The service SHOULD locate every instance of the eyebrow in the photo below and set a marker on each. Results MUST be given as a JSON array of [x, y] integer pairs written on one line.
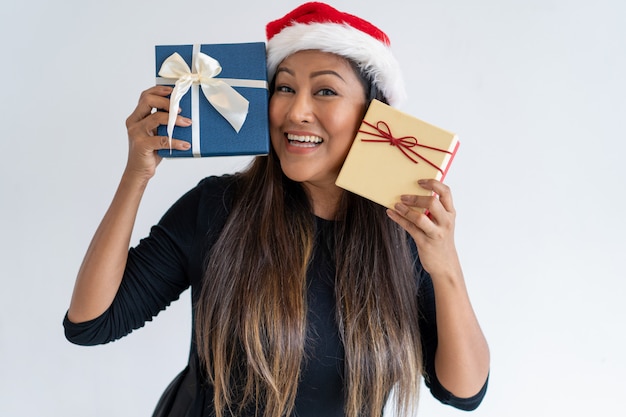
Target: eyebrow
[[313, 74], [326, 72]]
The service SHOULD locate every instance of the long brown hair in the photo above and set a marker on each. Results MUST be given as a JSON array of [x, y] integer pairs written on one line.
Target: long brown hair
[[251, 314]]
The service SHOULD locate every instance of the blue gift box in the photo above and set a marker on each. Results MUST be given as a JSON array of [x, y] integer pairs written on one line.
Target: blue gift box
[[211, 134]]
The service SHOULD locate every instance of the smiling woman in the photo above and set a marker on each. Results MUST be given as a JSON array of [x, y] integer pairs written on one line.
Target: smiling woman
[[308, 300]]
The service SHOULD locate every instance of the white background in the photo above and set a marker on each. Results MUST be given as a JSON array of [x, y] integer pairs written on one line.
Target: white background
[[534, 88]]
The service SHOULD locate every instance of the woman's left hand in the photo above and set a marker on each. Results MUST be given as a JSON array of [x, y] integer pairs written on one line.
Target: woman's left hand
[[433, 232]]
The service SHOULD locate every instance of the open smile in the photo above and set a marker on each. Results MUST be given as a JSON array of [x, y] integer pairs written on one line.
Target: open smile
[[304, 141]]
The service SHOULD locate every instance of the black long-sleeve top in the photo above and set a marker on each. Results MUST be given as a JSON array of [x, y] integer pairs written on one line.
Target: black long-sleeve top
[[171, 259]]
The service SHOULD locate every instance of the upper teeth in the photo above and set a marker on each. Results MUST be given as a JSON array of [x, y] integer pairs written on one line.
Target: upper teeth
[[314, 139]]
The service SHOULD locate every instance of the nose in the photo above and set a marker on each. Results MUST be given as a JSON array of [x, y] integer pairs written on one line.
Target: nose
[[301, 109]]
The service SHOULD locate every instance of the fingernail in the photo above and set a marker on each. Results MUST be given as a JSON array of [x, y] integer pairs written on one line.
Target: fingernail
[[186, 145]]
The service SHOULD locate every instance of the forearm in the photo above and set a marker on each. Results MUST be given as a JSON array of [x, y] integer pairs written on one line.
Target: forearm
[[101, 272], [462, 357]]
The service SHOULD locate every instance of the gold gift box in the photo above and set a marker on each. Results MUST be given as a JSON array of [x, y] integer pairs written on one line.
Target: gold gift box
[[391, 152]]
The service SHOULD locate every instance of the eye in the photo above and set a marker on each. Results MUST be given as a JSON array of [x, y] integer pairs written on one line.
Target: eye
[[326, 92], [284, 89]]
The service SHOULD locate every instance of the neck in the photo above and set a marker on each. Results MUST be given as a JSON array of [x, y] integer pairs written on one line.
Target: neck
[[324, 199]]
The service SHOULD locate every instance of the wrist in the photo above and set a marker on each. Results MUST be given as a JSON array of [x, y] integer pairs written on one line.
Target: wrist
[[136, 179]]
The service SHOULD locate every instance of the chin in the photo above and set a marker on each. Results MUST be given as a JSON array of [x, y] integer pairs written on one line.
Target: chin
[[296, 176]]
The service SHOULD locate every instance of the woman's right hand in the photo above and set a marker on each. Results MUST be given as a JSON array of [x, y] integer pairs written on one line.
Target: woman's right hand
[[142, 126]]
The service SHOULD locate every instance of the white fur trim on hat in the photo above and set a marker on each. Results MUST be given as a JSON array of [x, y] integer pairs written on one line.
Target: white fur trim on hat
[[373, 57]]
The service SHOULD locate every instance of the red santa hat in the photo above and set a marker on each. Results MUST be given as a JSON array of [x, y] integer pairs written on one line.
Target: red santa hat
[[319, 26]]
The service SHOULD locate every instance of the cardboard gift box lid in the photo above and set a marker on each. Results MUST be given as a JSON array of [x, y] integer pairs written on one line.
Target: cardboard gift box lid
[[243, 67], [391, 152]]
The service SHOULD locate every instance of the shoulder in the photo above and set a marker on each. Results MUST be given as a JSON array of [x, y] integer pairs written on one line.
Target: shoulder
[[211, 199], [217, 185], [218, 182], [211, 193], [200, 207]]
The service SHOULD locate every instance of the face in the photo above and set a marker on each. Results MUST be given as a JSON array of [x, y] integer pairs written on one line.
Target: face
[[315, 111]]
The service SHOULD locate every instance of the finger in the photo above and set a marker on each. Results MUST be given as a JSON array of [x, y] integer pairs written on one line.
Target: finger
[[161, 118], [152, 98], [442, 190], [149, 124], [432, 208], [407, 225], [423, 202], [413, 219], [419, 227], [146, 106], [164, 143]]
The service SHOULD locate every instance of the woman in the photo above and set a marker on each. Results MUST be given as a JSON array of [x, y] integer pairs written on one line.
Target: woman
[[308, 300]]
